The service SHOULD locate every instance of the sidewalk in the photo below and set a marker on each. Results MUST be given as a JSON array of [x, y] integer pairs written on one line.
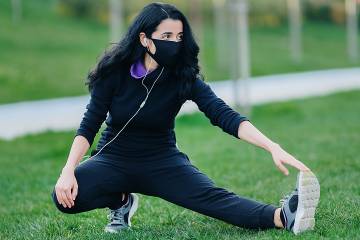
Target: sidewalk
[[61, 114]]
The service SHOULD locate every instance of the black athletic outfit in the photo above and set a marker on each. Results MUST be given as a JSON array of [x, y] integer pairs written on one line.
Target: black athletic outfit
[[144, 158]]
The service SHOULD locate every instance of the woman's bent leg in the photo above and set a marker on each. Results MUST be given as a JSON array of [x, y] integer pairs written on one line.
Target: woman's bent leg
[[188, 187], [100, 185]]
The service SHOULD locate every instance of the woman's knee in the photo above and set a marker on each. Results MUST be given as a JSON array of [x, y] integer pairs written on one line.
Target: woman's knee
[[60, 207]]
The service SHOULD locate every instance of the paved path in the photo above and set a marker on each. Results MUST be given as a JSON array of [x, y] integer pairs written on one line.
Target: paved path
[[59, 114]]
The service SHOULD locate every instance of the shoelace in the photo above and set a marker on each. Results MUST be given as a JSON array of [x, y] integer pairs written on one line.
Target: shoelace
[[285, 197], [116, 216]]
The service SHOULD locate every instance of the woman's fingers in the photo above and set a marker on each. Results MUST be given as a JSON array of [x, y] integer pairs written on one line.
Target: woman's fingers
[[282, 168], [58, 196], [66, 191], [284, 157], [297, 164], [303, 166], [69, 197], [65, 199], [75, 191]]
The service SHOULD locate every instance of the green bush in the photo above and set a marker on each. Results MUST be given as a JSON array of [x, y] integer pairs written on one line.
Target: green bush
[[262, 12], [319, 11], [92, 9], [267, 13]]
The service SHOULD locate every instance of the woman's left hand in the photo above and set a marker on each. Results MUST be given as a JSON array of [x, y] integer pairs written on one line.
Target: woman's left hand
[[280, 156]]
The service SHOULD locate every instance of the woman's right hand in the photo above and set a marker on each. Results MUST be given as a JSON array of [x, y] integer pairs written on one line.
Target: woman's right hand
[[66, 187]]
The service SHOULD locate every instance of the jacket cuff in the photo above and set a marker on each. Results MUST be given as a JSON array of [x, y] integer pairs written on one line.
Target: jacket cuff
[[85, 134], [236, 125]]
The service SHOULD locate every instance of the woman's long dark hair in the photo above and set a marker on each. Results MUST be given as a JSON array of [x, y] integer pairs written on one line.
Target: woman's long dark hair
[[129, 49]]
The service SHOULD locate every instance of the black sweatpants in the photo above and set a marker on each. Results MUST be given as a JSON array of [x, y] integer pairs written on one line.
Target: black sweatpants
[[103, 179]]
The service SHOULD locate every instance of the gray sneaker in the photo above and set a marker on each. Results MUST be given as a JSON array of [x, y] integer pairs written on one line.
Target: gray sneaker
[[299, 206], [120, 218]]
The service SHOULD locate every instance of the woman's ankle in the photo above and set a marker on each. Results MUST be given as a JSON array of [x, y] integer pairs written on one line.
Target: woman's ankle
[[277, 219], [123, 200]]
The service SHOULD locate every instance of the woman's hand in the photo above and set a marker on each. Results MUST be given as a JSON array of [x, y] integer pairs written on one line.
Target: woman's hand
[[248, 132], [66, 187], [280, 156]]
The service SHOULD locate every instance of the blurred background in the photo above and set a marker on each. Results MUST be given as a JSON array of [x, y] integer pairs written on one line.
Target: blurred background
[[48, 46]]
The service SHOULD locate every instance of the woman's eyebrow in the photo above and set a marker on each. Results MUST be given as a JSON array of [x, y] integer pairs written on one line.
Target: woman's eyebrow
[[171, 33]]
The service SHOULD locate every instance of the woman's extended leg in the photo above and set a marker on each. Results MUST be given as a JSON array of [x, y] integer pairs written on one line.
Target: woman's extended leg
[[188, 187], [100, 184]]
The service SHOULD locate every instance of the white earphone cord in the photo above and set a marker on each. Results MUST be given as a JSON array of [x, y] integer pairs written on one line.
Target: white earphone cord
[[141, 105]]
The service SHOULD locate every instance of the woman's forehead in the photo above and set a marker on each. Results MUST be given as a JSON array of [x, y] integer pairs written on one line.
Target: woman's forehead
[[170, 25]]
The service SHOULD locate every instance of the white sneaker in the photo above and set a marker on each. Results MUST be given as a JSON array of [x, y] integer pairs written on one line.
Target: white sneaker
[[299, 207]]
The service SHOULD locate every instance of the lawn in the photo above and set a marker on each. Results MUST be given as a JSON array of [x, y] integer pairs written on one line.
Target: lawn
[[323, 132], [49, 56]]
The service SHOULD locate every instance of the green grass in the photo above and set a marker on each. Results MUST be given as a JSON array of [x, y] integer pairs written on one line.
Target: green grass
[[49, 56], [322, 132]]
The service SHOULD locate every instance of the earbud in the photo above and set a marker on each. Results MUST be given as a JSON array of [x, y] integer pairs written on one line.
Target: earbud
[[143, 103]]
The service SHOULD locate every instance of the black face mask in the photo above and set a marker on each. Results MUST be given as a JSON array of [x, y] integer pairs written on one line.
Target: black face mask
[[166, 53]]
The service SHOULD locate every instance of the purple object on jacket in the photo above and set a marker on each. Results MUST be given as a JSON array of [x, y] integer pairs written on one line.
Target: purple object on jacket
[[138, 69]]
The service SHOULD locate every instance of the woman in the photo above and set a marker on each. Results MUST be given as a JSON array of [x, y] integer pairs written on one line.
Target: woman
[[154, 69]]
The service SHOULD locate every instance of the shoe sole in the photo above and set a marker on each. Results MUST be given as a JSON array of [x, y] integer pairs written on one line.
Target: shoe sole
[[133, 207], [108, 230], [309, 194]]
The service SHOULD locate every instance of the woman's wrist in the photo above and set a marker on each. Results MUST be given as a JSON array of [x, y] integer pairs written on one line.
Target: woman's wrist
[[67, 168], [273, 146]]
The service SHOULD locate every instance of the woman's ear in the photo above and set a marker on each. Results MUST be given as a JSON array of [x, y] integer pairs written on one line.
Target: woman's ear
[[145, 42], [143, 39]]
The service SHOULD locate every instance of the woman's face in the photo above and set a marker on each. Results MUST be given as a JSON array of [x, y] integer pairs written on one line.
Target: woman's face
[[169, 30]]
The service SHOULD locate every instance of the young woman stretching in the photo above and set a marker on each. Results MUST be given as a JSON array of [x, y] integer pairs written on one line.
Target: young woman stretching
[[143, 82]]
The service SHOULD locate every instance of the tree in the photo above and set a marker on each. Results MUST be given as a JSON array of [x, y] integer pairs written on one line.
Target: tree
[[16, 10], [116, 19], [352, 30], [294, 15]]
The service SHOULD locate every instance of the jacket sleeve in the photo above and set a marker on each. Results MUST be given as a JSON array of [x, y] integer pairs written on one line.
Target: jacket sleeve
[[214, 108], [96, 109]]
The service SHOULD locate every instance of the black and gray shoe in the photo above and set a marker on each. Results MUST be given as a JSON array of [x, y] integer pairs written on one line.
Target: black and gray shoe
[[299, 206], [120, 218]]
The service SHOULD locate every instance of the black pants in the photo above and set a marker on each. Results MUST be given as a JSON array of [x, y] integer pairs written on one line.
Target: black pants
[[103, 179]]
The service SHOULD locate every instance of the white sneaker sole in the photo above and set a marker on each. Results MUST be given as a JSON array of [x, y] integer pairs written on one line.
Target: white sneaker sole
[[133, 207], [308, 199], [108, 230]]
